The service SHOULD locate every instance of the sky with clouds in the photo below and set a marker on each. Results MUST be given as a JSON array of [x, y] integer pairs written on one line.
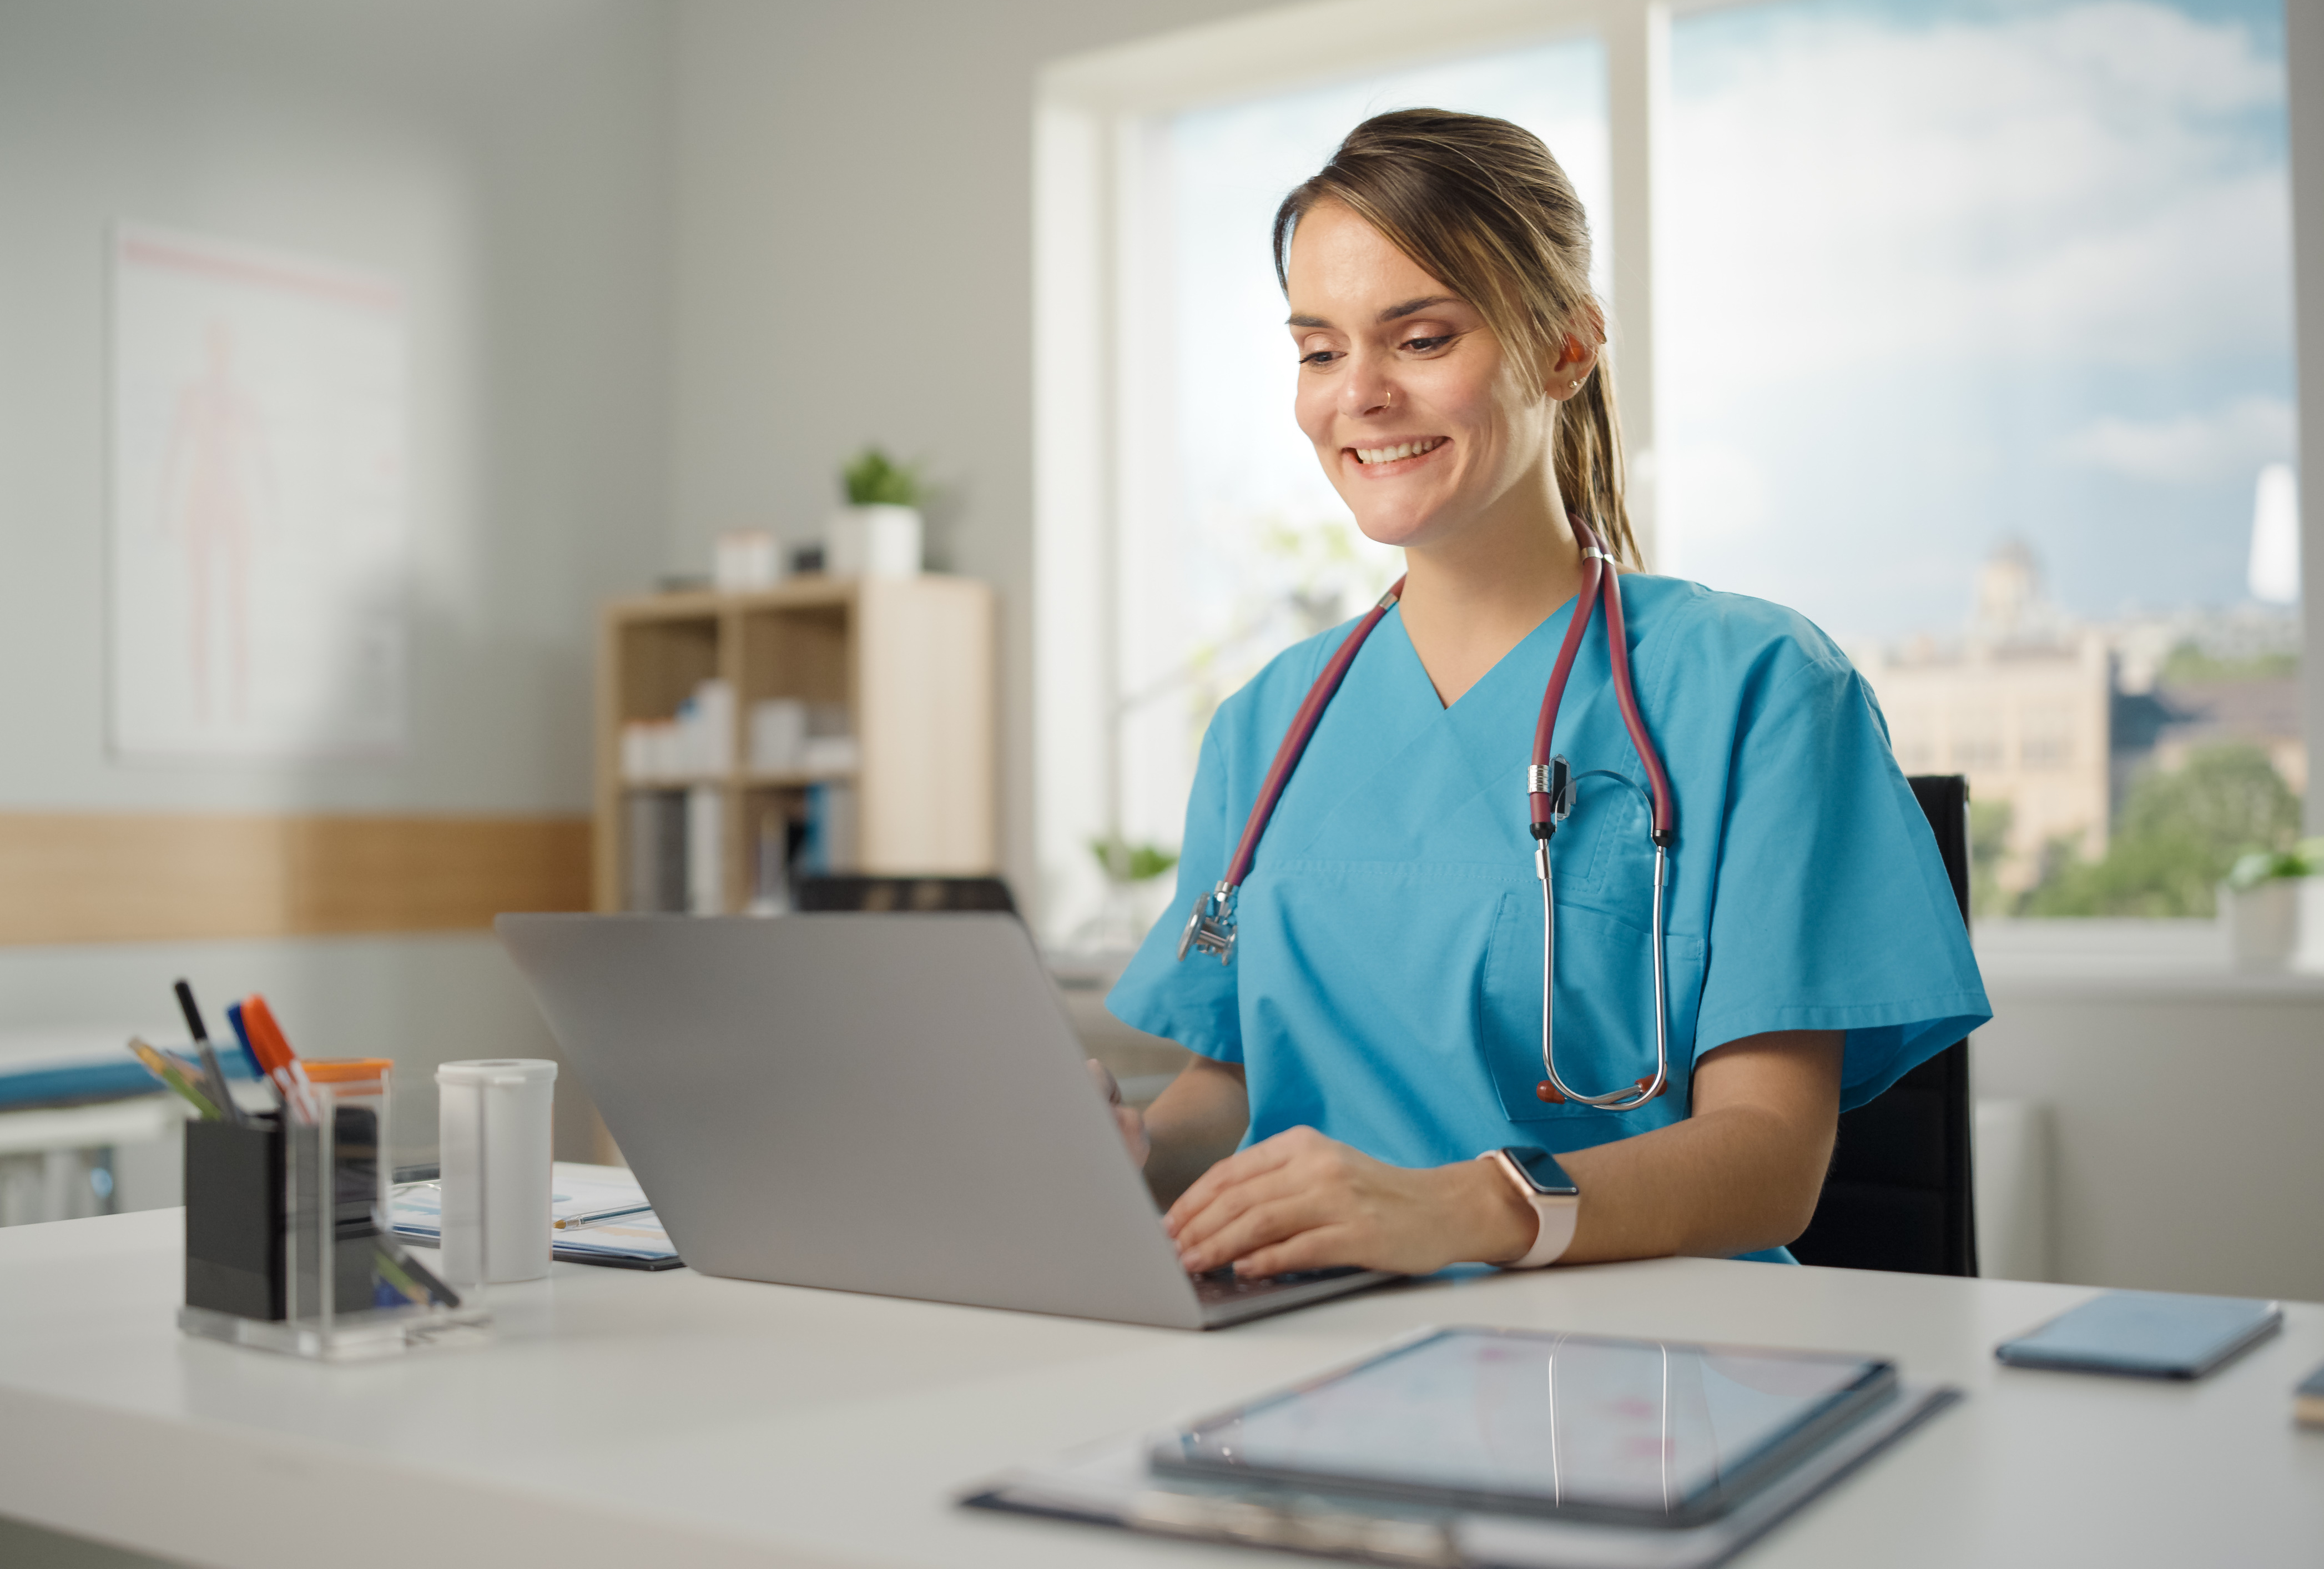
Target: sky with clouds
[[1934, 274]]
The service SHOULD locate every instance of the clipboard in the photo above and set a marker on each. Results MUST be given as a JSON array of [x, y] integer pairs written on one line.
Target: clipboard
[[1110, 1484]]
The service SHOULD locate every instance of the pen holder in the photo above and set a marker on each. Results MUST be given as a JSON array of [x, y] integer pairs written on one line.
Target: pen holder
[[285, 1248]]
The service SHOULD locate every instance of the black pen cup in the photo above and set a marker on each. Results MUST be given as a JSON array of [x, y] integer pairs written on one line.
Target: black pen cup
[[234, 1217]]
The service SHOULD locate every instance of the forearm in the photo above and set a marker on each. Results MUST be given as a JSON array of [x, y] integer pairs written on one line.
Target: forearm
[[1743, 1172], [1204, 1104], [1714, 1185], [1198, 1119]]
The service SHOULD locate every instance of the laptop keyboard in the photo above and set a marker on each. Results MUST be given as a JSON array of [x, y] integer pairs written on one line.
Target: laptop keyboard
[[1223, 1285]]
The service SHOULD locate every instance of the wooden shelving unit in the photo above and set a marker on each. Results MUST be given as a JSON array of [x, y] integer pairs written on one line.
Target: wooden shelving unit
[[911, 658]]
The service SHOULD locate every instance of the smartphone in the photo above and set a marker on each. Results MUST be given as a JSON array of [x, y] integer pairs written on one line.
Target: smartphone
[[2146, 1335]]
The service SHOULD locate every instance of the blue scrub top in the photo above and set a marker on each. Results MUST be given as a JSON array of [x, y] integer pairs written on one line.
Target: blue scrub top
[[1386, 986]]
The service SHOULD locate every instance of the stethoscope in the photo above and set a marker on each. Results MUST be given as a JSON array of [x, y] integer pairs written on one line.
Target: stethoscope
[[1549, 789]]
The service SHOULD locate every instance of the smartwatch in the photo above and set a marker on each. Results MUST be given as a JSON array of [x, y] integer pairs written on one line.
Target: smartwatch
[[1556, 1203]]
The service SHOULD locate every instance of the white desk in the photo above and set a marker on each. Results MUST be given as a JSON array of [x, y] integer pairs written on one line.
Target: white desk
[[626, 1418]]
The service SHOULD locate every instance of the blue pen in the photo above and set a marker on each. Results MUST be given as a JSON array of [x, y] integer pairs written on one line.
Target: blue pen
[[233, 1017]]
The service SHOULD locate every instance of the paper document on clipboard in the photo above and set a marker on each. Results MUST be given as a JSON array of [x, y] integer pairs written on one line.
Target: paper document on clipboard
[[597, 1215]]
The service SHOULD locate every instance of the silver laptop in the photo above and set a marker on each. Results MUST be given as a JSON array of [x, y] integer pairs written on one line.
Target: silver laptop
[[893, 1103]]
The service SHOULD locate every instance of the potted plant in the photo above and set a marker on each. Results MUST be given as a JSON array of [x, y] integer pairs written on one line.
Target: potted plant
[[2262, 903], [1127, 867], [878, 534]]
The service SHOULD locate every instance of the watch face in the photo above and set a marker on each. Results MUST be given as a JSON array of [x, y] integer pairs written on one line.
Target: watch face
[[1541, 1169]]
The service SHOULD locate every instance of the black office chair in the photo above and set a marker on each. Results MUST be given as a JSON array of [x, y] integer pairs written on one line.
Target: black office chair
[[906, 893], [1898, 1196]]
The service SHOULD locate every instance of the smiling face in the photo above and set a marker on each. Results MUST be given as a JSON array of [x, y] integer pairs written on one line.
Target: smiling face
[[1416, 413]]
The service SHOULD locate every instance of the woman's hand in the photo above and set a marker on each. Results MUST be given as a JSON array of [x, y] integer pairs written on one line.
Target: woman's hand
[[1300, 1201], [1132, 1126]]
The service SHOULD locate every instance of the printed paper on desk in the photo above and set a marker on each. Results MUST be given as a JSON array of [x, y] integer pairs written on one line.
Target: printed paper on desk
[[638, 1236]]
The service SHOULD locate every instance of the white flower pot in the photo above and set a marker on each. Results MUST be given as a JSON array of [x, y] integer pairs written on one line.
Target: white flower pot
[[2262, 923], [2310, 956], [873, 542]]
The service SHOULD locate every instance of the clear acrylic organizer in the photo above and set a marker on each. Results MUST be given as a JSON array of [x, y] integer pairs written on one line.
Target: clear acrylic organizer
[[287, 1245]]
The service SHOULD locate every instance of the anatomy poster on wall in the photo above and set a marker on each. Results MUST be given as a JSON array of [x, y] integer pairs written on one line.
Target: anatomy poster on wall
[[258, 536]]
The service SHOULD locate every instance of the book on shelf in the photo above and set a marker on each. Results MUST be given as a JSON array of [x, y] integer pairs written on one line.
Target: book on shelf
[[653, 874]]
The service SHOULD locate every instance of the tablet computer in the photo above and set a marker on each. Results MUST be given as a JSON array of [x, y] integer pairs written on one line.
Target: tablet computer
[[2146, 1335], [1635, 1432]]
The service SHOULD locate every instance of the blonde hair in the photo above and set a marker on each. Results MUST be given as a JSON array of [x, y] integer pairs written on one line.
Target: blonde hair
[[1482, 206]]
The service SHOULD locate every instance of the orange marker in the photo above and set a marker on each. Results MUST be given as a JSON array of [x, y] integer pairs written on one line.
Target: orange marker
[[274, 1054]]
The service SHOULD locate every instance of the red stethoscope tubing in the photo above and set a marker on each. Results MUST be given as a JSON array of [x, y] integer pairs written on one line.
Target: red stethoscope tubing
[[1598, 579], [1303, 730]]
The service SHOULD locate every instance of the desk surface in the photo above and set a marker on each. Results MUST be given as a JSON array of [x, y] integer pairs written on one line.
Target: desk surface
[[622, 1418]]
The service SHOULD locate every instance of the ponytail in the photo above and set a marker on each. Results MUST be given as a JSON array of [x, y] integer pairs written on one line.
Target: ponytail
[[1587, 456]]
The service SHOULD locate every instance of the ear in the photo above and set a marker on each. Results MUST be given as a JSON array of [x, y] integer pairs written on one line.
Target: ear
[[1578, 352], [1576, 358]]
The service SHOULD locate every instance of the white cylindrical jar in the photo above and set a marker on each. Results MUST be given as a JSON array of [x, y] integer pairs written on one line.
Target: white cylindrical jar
[[492, 1129]]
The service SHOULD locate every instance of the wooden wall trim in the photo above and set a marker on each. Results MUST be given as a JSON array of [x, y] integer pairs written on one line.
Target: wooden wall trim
[[122, 877]]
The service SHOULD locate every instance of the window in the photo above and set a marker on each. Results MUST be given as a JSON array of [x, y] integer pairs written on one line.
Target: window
[[1963, 328], [1977, 347]]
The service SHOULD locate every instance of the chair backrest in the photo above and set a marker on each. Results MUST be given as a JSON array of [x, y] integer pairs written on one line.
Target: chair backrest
[[905, 893], [1899, 1195]]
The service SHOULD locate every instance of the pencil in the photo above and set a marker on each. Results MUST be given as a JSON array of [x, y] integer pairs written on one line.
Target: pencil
[[162, 1069]]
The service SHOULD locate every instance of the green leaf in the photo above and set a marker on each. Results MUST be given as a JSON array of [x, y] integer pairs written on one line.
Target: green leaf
[[1126, 863], [874, 480]]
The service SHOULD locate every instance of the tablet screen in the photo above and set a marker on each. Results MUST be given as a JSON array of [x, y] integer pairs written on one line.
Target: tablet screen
[[1546, 1423]]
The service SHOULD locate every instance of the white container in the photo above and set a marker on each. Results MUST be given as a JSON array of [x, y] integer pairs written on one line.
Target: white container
[[828, 754], [708, 720], [878, 541], [492, 1129], [745, 560], [2310, 956], [2262, 923], [778, 734]]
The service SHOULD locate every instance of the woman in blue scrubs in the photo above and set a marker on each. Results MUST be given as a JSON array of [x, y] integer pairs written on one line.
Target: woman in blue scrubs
[[1379, 1025]]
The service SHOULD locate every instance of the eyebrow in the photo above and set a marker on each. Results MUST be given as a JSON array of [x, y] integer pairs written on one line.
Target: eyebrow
[[1393, 313]]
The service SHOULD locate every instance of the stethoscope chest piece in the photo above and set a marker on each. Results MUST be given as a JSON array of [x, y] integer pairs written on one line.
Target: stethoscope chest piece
[[1210, 929]]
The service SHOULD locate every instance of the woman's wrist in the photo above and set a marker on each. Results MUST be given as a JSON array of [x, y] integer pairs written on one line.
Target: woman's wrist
[[1493, 1221]]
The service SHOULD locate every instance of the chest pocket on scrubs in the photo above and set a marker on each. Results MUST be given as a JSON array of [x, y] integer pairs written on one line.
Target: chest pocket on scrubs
[[1605, 1006]]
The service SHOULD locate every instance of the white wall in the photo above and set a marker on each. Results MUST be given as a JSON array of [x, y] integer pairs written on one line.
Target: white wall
[[2178, 1099], [854, 264], [508, 162]]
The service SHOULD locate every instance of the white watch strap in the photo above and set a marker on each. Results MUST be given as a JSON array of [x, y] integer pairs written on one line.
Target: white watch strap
[[1554, 1216]]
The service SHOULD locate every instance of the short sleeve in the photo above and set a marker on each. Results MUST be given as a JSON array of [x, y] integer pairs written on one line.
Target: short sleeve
[[1193, 1003], [1833, 909]]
